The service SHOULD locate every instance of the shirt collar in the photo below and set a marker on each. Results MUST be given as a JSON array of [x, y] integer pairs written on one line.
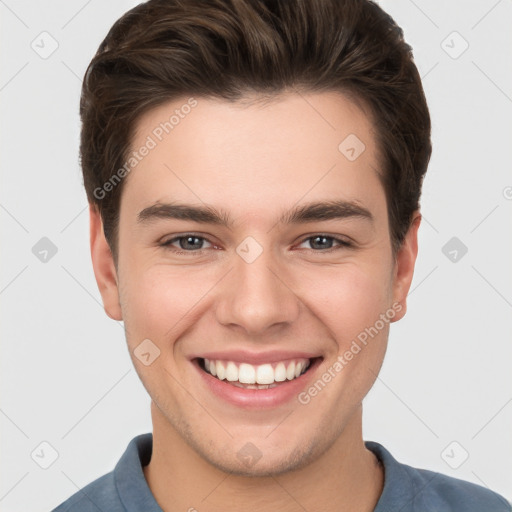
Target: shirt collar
[[397, 481], [131, 484]]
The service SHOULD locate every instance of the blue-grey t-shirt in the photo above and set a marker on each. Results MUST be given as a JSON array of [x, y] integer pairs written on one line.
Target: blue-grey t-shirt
[[406, 489]]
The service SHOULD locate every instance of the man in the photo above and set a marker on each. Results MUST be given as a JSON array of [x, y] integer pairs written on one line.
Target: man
[[254, 170]]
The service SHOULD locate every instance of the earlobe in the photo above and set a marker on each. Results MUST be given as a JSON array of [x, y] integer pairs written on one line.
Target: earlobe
[[404, 266], [103, 265]]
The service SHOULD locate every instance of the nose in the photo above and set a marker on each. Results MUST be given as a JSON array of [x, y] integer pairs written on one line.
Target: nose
[[256, 296]]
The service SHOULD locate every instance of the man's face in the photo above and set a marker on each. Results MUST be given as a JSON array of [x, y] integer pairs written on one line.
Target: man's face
[[262, 294]]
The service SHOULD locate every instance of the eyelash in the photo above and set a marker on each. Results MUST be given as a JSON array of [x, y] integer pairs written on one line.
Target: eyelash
[[167, 245]]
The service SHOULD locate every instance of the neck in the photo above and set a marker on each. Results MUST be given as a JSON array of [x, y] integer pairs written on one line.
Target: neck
[[344, 478]]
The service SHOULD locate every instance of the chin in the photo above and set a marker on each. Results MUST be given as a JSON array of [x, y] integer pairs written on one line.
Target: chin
[[262, 465], [259, 458]]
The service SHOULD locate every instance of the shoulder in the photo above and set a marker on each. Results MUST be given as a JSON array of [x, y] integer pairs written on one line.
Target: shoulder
[[421, 490], [125, 485], [101, 494], [441, 492]]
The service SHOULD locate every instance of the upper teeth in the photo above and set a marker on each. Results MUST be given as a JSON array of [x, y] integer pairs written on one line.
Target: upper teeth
[[267, 373]]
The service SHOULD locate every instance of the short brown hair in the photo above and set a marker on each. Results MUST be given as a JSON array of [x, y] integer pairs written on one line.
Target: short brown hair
[[228, 49]]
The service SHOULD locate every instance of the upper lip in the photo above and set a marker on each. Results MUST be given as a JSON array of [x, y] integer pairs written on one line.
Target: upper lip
[[243, 356]]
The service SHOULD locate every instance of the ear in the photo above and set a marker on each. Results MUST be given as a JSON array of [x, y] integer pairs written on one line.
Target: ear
[[404, 266], [103, 264]]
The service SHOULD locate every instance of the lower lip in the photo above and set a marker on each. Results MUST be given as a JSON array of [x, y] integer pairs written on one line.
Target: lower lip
[[257, 398]]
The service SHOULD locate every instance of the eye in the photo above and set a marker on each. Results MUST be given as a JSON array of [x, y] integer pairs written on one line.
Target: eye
[[188, 243], [324, 243], [192, 244]]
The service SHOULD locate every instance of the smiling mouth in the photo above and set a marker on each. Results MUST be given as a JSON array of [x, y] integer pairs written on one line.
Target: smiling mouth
[[261, 376]]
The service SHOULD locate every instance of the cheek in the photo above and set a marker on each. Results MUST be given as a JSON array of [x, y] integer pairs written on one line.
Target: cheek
[[348, 299], [155, 300], [355, 305]]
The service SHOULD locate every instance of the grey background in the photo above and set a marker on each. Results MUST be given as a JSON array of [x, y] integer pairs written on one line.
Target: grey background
[[445, 389]]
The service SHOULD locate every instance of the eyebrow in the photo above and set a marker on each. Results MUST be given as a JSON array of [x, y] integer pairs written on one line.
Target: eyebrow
[[310, 212]]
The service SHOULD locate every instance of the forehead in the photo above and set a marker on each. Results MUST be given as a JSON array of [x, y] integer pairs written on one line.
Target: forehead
[[254, 154]]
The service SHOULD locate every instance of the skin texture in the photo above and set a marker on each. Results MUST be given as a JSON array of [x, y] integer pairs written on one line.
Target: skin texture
[[256, 161]]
